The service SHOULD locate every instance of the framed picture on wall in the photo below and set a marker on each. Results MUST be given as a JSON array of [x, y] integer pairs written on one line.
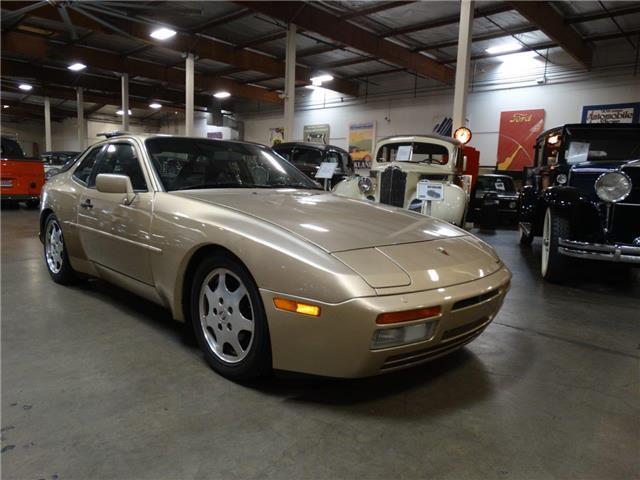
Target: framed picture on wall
[[362, 139], [316, 133], [611, 113], [276, 135], [516, 139]]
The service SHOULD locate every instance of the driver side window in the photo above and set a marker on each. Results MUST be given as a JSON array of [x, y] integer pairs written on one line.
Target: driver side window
[[121, 159], [83, 172]]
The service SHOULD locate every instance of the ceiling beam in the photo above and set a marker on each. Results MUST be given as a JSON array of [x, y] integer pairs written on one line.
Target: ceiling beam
[[529, 48], [480, 38], [442, 22], [551, 23], [38, 48], [32, 109], [599, 15], [311, 18], [380, 7], [200, 46]]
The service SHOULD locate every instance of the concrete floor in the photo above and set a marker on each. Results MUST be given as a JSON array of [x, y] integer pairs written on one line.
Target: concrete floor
[[99, 384]]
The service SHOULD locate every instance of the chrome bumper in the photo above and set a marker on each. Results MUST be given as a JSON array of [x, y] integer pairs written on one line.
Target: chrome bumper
[[598, 251]]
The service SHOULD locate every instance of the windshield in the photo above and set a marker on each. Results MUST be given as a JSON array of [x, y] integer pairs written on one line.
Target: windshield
[[603, 145], [496, 184], [11, 149], [413, 152], [188, 163]]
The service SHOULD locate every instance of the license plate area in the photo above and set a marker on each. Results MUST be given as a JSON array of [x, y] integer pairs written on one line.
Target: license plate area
[[6, 183]]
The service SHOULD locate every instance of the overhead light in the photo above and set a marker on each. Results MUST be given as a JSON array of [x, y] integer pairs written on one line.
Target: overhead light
[[226, 112], [121, 112], [222, 94], [155, 106], [25, 86], [320, 79], [76, 67], [162, 33], [5, 106], [507, 47]]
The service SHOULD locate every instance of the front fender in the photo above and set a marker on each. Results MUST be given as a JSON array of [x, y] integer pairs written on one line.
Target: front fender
[[583, 216], [451, 209], [349, 188]]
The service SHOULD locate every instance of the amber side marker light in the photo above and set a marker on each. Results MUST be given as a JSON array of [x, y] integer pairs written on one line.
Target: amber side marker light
[[297, 307], [408, 315]]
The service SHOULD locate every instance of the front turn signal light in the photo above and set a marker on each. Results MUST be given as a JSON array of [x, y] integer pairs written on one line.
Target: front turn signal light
[[297, 307], [408, 315]]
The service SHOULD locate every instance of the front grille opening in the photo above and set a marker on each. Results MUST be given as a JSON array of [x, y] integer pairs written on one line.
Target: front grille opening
[[455, 332], [467, 302]]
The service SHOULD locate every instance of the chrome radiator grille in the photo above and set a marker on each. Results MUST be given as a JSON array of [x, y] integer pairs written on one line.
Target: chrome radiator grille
[[393, 182]]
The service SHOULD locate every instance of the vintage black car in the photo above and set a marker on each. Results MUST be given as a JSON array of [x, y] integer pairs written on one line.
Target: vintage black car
[[308, 157], [505, 192], [583, 196]]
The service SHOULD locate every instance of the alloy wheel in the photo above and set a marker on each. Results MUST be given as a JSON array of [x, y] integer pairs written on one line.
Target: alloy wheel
[[54, 245], [226, 315]]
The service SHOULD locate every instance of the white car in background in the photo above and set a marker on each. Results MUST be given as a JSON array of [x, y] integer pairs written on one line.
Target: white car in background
[[422, 173]]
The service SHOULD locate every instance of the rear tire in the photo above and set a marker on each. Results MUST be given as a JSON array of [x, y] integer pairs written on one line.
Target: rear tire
[[554, 266], [526, 239], [229, 320], [55, 253]]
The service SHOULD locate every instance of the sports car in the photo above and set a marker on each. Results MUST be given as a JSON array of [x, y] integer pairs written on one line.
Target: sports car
[[269, 271]]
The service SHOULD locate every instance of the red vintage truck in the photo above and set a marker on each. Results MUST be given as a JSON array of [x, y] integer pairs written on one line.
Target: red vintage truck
[[21, 178]]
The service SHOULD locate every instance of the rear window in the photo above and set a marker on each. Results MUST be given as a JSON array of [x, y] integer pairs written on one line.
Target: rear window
[[11, 149]]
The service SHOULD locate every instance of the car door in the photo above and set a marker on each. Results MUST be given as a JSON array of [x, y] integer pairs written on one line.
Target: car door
[[113, 234]]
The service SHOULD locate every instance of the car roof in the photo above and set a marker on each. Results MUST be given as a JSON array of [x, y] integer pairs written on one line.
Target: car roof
[[589, 126], [317, 146], [494, 175], [147, 136], [419, 136]]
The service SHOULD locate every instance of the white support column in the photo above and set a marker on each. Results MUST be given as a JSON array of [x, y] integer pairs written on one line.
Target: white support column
[[290, 83], [82, 141], [189, 80], [125, 102], [463, 64], [47, 125]]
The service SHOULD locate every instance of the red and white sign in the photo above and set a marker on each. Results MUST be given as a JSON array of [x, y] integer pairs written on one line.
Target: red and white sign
[[516, 139]]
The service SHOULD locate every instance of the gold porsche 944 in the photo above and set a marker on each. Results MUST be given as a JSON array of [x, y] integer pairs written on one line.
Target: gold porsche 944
[[269, 270]]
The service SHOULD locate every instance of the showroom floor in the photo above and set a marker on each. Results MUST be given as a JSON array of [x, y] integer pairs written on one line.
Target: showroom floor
[[97, 383]]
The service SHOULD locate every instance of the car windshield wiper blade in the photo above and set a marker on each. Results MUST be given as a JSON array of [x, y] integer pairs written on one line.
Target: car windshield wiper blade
[[217, 185]]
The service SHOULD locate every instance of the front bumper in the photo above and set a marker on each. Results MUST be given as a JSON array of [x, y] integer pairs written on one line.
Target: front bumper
[[338, 342], [599, 251]]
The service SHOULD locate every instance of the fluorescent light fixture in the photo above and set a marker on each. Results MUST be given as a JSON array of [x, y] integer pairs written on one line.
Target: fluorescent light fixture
[[25, 86], [222, 94], [504, 48], [76, 67], [121, 112], [320, 79], [155, 106], [5, 106], [162, 33]]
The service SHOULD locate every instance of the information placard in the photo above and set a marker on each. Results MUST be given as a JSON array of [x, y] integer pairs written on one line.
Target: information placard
[[430, 191], [326, 170]]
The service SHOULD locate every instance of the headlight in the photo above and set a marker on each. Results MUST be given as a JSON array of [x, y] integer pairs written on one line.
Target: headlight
[[561, 179], [613, 187], [366, 185]]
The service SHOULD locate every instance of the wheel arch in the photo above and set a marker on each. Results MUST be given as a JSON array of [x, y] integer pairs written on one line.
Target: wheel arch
[[44, 214], [186, 275], [565, 201]]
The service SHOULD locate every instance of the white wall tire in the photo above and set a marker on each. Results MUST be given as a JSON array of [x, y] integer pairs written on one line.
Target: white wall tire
[[553, 265]]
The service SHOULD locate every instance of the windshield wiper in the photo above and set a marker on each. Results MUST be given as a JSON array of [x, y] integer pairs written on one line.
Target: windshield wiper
[[218, 185]]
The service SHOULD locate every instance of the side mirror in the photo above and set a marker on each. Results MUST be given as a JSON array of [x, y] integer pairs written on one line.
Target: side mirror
[[120, 184]]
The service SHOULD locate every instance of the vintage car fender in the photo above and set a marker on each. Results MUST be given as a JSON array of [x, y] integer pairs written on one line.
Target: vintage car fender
[[582, 214], [349, 188], [452, 209]]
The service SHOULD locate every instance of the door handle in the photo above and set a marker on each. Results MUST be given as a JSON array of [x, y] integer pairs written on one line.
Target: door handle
[[86, 203]]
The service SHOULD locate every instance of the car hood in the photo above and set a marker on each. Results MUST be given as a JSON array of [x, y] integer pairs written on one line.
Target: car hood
[[331, 222]]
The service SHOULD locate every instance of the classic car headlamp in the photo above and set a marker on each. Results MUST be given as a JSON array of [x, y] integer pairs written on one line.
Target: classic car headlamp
[[561, 179], [613, 187], [366, 185]]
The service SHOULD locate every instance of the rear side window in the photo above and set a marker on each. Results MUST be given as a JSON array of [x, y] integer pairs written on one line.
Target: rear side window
[[309, 156], [11, 149], [121, 159], [284, 152], [83, 172]]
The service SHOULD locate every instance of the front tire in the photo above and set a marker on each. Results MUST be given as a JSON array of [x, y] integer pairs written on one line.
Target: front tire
[[55, 253], [554, 266], [229, 320], [526, 239]]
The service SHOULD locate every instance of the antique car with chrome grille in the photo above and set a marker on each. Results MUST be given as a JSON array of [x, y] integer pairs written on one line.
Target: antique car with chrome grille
[[401, 164], [583, 196], [266, 268]]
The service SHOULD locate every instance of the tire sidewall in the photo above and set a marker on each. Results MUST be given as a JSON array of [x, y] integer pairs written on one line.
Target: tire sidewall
[[257, 363]]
